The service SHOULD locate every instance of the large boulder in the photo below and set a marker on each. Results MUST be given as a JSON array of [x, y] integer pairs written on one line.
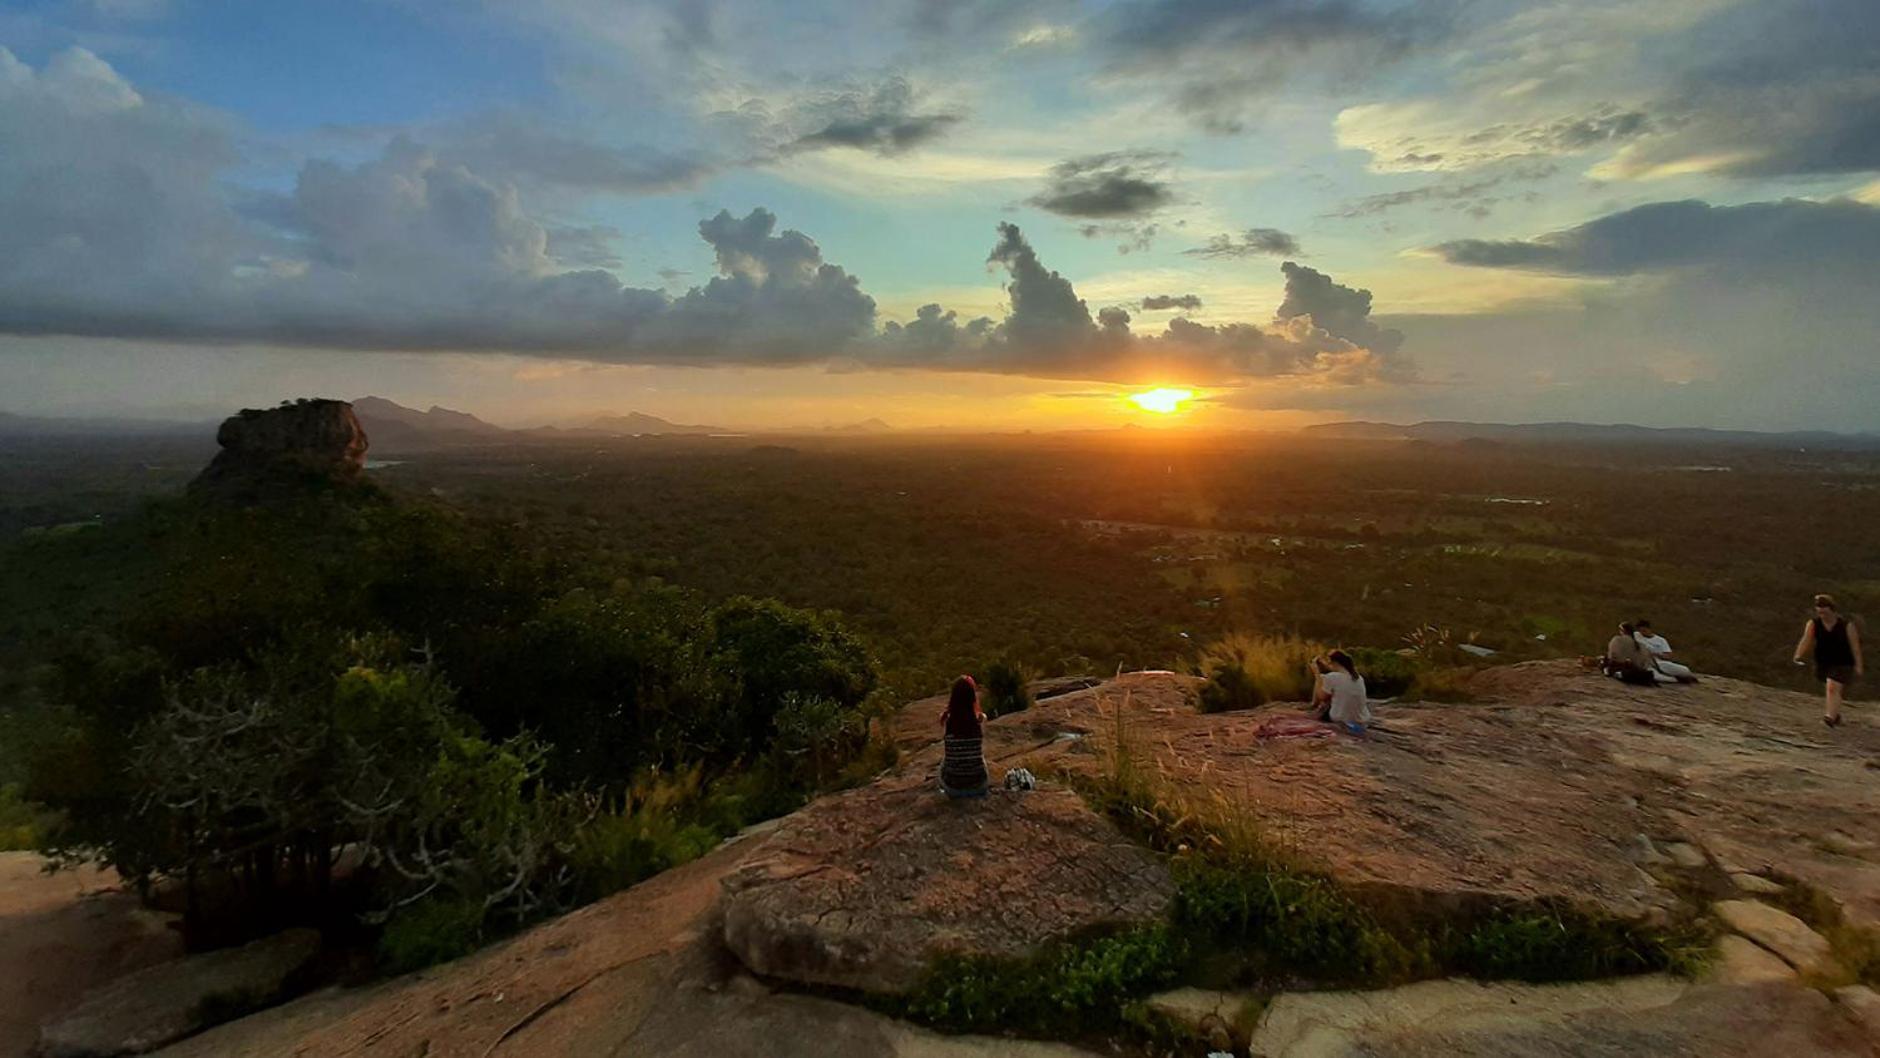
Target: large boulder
[[864, 890], [265, 450], [164, 1003]]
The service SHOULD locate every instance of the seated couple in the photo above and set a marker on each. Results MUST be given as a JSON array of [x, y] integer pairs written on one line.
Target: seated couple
[[1638, 655], [1338, 693]]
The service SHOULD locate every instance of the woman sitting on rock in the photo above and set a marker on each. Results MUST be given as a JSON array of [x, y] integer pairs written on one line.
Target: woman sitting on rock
[[1338, 691], [963, 772]]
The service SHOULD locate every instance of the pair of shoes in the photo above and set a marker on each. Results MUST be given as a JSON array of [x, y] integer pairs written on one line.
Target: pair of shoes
[[1831, 721]]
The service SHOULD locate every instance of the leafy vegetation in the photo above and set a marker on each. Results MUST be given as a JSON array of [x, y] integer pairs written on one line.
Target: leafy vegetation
[[497, 729], [1006, 691]]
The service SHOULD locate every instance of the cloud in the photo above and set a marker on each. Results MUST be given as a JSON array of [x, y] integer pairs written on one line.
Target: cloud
[[1046, 311], [1219, 59], [1338, 310], [1050, 333], [1163, 302], [140, 235], [1253, 242], [882, 120], [1774, 88], [1422, 135], [1475, 196], [1793, 235], [1109, 186], [523, 149]]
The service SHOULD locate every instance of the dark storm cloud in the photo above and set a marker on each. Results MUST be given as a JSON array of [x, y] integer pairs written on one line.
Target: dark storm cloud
[[1164, 302], [1758, 238], [1116, 184], [1254, 242], [1218, 58]]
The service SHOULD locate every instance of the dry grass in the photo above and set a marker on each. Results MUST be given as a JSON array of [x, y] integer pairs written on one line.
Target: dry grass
[[1275, 665]]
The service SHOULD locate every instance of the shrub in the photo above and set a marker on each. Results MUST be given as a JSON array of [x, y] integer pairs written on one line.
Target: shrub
[[1229, 688], [817, 736], [1072, 987], [1387, 674], [1556, 943], [1277, 666], [431, 931], [1006, 688], [23, 824]]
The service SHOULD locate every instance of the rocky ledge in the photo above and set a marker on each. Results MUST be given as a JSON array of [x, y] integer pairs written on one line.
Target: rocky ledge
[[1721, 799], [865, 890]]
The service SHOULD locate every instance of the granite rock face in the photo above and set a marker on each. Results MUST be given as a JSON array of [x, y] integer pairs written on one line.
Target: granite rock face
[[164, 1003], [263, 451], [864, 890]]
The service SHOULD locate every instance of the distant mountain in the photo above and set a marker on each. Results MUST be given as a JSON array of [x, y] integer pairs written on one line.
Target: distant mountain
[[1580, 432], [377, 412], [866, 426], [16, 425], [639, 424]]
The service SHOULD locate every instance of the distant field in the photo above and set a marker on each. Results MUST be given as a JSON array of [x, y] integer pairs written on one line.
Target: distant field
[[1093, 551]]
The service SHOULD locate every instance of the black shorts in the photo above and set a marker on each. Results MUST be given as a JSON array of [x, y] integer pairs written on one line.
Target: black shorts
[[1841, 674]]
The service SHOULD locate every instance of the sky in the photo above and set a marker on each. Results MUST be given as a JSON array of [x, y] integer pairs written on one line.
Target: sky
[[966, 213]]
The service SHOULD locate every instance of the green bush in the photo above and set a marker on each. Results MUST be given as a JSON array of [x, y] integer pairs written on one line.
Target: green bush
[[1555, 943], [23, 824], [1073, 987], [1387, 674], [429, 932], [1006, 688], [1229, 688]]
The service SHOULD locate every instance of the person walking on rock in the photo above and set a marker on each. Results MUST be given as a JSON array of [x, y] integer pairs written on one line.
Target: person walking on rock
[[1835, 643], [963, 771]]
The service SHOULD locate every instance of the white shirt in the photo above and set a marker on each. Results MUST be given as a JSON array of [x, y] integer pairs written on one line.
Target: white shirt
[[1654, 643], [1349, 704]]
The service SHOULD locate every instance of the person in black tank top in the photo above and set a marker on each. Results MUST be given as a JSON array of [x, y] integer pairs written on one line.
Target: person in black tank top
[[1835, 643]]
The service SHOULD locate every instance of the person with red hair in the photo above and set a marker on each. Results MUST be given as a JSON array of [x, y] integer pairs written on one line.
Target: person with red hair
[[963, 771]]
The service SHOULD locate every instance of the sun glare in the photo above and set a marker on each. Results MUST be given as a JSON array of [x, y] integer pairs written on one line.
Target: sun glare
[[1162, 401]]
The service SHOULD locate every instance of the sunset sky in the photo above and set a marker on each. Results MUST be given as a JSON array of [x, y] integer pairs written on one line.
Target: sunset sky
[[999, 213]]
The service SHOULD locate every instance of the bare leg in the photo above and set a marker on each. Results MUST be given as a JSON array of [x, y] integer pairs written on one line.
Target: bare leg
[[1835, 691]]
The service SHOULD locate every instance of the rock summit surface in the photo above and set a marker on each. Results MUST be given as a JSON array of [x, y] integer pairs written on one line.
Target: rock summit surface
[[266, 450]]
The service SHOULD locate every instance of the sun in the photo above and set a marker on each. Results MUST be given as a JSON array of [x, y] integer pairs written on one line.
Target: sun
[[1161, 401]]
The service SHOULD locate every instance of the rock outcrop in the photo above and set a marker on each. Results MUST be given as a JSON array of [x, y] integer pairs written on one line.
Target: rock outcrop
[[167, 1002], [294, 445], [1556, 785], [1598, 1019], [866, 889]]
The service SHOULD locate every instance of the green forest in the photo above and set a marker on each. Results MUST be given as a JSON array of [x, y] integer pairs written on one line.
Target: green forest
[[496, 682]]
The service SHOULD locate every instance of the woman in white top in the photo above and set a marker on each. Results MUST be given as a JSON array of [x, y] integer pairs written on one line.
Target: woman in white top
[[1338, 691]]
